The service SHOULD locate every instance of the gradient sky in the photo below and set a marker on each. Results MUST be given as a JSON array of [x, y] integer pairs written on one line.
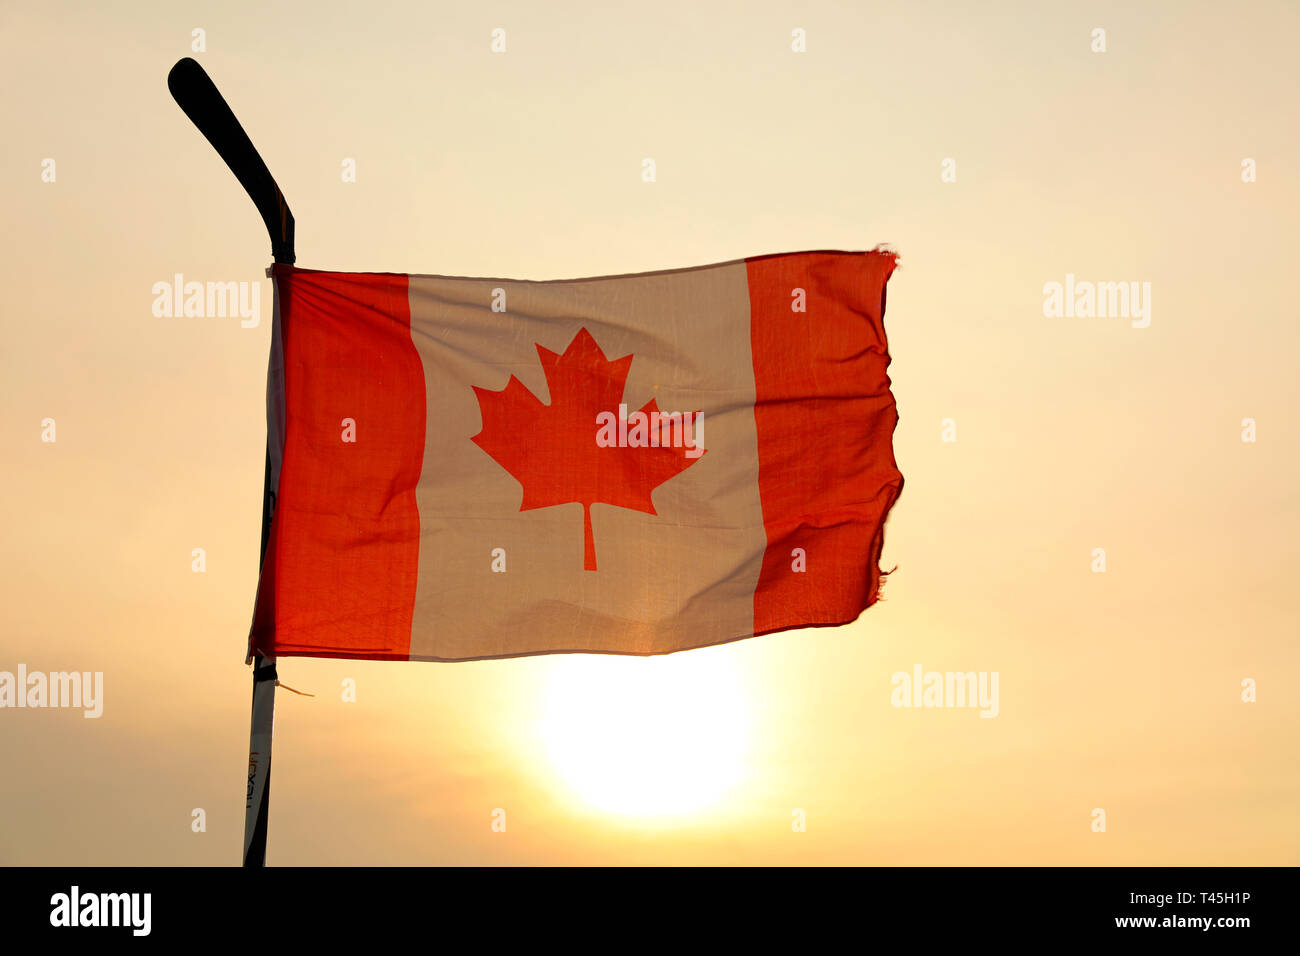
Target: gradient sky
[[1118, 690]]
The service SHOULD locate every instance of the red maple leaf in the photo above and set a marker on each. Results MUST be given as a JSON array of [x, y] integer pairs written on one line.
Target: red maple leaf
[[552, 449]]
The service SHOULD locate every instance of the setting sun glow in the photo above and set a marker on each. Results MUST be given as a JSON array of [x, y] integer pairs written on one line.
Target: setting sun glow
[[647, 737]]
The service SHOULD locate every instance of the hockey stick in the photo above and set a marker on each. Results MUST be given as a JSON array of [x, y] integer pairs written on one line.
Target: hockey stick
[[202, 102], [196, 94]]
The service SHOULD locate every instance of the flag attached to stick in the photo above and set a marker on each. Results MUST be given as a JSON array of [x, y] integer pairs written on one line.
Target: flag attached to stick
[[479, 468]]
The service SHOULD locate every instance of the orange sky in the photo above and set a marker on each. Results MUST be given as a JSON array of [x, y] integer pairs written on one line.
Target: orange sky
[[1119, 691]]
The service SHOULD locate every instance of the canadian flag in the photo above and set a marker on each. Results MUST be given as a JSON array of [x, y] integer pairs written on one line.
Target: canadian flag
[[477, 468]]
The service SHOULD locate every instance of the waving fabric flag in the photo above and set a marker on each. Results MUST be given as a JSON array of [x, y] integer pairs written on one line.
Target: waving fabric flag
[[477, 468]]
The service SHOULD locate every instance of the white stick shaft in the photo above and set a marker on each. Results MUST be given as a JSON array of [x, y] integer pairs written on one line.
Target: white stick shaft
[[259, 766]]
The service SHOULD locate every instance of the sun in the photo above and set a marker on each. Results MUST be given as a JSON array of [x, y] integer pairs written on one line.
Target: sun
[[647, 736]]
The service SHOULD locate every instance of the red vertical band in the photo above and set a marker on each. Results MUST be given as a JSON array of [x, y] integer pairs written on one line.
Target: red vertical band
[[825, 417], [339, 576]]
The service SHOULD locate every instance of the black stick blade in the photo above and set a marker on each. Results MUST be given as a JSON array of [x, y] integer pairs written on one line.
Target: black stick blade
[[202, 102]]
